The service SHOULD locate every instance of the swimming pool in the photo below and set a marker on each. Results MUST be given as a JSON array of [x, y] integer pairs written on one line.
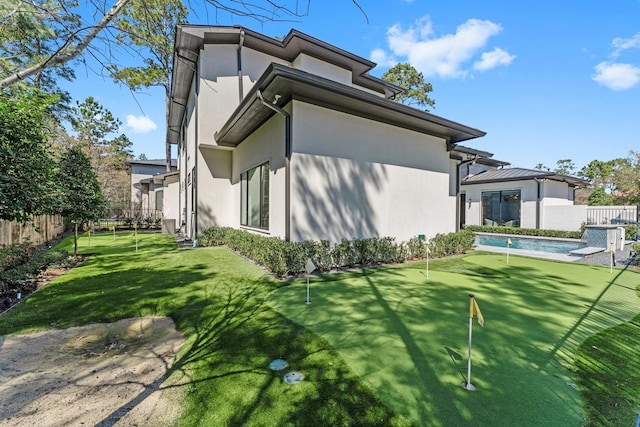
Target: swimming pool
[[558, 246]]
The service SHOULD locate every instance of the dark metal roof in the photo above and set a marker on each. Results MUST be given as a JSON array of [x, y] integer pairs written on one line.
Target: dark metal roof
[[290, 83], [521, 174], [152, 162], [472, 155], [191, 38]]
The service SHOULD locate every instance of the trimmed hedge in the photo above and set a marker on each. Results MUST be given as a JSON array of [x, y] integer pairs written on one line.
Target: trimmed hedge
[[524, 231], [284, 258]]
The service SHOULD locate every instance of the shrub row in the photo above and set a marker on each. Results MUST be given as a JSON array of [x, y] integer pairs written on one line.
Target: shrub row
[[21, 262], [524, 231], [284, 258]]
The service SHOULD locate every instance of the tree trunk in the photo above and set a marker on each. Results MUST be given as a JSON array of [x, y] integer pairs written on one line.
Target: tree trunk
[[75, 239]]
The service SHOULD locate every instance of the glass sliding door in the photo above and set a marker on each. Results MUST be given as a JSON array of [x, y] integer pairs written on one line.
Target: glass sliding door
[[501, 208]]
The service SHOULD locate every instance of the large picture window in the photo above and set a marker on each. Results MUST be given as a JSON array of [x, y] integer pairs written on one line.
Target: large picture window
[[254, 199], [501, 208]]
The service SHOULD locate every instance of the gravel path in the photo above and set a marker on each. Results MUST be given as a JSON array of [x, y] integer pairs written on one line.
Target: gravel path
[[622, 258]]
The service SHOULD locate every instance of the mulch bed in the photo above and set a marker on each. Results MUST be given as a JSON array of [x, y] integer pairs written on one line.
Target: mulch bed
[[9, 297]]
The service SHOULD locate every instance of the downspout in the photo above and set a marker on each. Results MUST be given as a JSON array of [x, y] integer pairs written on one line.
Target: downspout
[[287, 163], [239, 60], [538, 202], [459, 206]]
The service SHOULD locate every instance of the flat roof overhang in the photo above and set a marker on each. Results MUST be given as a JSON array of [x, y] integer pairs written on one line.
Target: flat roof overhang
[[280, 84], [572, 181], [191, 38]]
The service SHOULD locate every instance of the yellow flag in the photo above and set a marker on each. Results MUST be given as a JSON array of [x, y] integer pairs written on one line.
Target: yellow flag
[[112, 228], [509, 242], [474, 310], [86, 233]]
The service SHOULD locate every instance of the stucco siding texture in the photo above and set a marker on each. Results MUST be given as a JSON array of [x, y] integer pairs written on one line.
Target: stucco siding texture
[[356, 178]]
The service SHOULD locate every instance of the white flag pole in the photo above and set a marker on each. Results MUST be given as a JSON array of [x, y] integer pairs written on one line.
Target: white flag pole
[[467, 385], [310, 268], [611, 249]]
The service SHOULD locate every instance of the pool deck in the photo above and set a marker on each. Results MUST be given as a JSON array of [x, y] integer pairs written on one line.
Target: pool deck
[[530, 253]]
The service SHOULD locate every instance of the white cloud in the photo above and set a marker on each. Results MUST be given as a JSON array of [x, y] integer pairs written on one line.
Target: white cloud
[[381, 58], [621, 44], [493, 59], [444, 56], [140, 124], [617, 76]]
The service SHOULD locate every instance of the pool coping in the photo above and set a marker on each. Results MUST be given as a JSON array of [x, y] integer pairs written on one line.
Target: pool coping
[[530, 253], [568, 257]]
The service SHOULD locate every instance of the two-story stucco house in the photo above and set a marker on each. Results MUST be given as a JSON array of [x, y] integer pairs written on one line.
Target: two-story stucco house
[[293, 138]]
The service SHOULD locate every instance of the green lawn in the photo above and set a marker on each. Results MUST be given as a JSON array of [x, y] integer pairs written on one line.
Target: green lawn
[[372, 339], [406, 336], [217, 300]]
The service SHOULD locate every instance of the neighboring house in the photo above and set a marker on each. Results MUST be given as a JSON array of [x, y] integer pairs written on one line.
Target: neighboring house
[[147, 194], [293, 138], [169, 182], [524, 198]]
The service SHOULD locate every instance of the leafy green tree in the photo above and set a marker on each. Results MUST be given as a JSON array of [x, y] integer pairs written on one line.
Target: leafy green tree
[[26, 168], [416, 89], [95, 127], [626, 179], [541, 166], [79, 198], [150, 25], [599, 197], [565, 167], [599, 173]]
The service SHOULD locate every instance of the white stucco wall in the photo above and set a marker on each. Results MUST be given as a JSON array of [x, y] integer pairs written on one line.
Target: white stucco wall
[[264, 145], [353, 177], [568, 217], [220, 87], [556, 193], [171, 201], [322, 68], [215, 192]]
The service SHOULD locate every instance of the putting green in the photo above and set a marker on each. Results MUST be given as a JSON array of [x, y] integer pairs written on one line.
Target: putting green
[[406, 335]]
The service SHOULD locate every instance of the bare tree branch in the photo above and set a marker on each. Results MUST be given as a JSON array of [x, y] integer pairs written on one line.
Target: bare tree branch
[[63, 55]]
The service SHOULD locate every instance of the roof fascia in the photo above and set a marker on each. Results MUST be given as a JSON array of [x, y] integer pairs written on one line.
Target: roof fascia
[[380, 109]]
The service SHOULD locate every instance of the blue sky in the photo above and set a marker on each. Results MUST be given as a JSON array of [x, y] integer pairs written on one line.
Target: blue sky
[[547, 80]]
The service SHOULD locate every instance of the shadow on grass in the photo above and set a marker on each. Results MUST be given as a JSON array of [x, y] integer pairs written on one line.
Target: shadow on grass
[[218, 301]]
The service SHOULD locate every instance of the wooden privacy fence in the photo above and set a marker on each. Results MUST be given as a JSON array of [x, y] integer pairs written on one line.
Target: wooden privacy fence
[[41, 229]]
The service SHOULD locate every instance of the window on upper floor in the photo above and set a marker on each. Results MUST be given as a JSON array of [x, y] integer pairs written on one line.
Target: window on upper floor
[[254, 197]]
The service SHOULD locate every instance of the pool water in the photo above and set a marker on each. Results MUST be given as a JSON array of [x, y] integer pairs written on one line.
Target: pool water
[[531, 244]]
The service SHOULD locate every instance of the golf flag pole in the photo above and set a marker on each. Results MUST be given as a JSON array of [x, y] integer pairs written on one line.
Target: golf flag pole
[[474, 310], [135, 234], [611, 251], [508, 246], [428, 252], [310, 268]]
